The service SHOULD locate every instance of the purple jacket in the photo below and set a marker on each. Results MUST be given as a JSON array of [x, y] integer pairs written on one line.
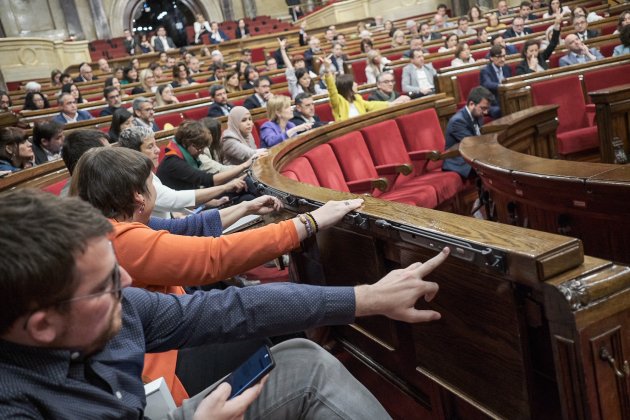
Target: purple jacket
[[271, 134]]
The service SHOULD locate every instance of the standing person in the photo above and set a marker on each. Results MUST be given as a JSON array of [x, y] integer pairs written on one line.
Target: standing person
[[130, 42], [237, 142], [201, 27], [279, 127], [16, 151], [466, 122], [161, 42]]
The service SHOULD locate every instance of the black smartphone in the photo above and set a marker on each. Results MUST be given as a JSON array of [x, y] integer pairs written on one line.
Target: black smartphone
[[251, 371]]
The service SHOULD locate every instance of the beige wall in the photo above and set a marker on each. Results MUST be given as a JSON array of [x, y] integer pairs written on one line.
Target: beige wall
[[28, 18]]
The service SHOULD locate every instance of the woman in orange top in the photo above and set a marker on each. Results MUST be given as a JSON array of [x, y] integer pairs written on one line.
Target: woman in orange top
[[118, 182]]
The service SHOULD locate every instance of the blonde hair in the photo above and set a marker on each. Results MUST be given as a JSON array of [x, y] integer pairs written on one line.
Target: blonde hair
[[371, 55], [397, 34], [275, 106], [143, 75]]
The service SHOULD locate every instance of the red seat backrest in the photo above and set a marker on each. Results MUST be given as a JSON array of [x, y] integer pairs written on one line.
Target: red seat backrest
[[188, 96], [205, 93], [256, 131], [607, 50], [465, 83], [442, 62], [326, 168], [567, 93], [175, 119], [422, 131], [324, 112], [398, 79], [385, 143], [256, 135], [196, 113], [606, 78], [258, 54], [56, 187], [358, 69], [354, 157], [303, 171]]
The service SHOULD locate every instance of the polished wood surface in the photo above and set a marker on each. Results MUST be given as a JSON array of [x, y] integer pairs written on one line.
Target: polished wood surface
[[613, 119]]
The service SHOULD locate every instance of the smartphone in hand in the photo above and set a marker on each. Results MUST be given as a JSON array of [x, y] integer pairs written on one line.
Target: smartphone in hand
[[251, 371]]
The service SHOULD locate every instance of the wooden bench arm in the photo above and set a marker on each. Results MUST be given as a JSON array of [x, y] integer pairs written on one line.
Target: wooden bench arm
[[362, 185], [394, 168]]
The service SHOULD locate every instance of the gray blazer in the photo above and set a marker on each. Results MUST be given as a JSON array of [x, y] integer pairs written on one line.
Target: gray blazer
[[410, 81]]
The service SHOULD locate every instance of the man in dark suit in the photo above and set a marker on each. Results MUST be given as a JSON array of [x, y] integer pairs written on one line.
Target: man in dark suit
[[85, 74], [47, 141], [517, 29], [69, 112], [161, 42], [314, 50], [525, 11], [493, 74], [466, 122], [262, 89], [498, 39], [581, 29], [130, 42], [220, 106], [305, 111], [385, 91], [113, 99], [426, 34], [216, 35]]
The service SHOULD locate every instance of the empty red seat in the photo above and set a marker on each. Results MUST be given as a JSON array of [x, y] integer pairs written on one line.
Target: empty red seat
[[398, 79], [196, 113], [465, 82], [606, 78], [575, 133], [204, 93], [326, 168], [324, 112], [188, 96], [175, 119], [56, 187], [301, 168], [358, 69]]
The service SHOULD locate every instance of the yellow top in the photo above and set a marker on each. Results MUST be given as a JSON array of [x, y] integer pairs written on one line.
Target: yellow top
[[340, 105]]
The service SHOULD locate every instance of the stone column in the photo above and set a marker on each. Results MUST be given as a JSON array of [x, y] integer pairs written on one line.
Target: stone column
[[73, 23], [101, 25], [228, 11], [249, 8]]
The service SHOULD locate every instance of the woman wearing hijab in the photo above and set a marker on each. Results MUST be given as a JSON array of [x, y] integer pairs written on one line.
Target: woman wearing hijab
[[237, 142]]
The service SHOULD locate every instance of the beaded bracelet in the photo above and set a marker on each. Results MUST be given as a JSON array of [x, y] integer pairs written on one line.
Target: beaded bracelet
[[310, 216], [307, 224]]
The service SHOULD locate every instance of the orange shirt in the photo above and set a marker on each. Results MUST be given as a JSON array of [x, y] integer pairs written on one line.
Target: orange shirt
[[163, 262]]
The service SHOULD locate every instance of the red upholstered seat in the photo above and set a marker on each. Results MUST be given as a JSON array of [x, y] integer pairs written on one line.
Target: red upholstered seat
[[465, 83], [175, 119], [188, 96], [421, 131], [258, 54], [606, 78], [398, 79], [290, 174], [358, 69], [56, 187], [204, 93], [196, 113], [574, 131], [442, 62], [324, 112], [302, 170], [326, 168]]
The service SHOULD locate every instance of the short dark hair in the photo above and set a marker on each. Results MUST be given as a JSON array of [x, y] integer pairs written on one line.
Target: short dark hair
[[29, 101], [624, 35], [10, 135], [4, 93], [109, 177], [77, 143], [108, 90], [249, 70], [496, 50], [525, 4], [528, 44], [40, 236], [478, 93], [194, 133], [494, 38], [45, 129], [301, 96], [256, 82], [119, 117], [214, 89]]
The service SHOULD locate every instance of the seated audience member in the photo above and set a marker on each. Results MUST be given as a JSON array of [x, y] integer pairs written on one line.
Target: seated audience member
[[33, 87], [216, 35], [482, 36], [426, 33], [170, 64], [233, 82], [583, 11], [525, 11], [581, 28], [114, 82], [450, 43], [118, 73], [624, 37], [55, 78], [417, 76], [180, 168], [250, 75], [466, 122], [35, 101], [240, 67], [75, 92], [5, 102], [493, 22], [538, 4], [555, 6], [578, 52], [161, 42], [305, 111], [220, 106], [366, 45], [441, 10], [338, 59], [499, 40], [398, 39], [299, 80], [517, 29], [385, 84], [165, 96], [493, 74], [135, 63], [271, 64], [69, 112], [440, 22], [535, 60], [376, 64], [624, 20], [130, 42], [201, 27], [75, 144], [145, 44], [103, 66], [148, 83], [143, 113], [415, 44], [474, 14], [462, 27], [412, 27], [130, 75], [16, 151], [262, 93], [345, 100], [237, 141], [462, 55], [279, 127], [47, 141], [314, 49], [181, 76], [85, 74], [121, 119], [218, 73], [113, 99], [242, 30], [246, 55], [502, 8], [167, 200], [211, 157], [193, 66]]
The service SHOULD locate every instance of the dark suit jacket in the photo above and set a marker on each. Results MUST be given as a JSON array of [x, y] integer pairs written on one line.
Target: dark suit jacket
[[459, 126], [131, 45], [159, 46], [40, 155], [252, 102], [223, 35], [299, 119], [80, 79], [308, 59], [488, 79], [590, 34], [509, 33], [433, 36], [240, 34], [543, 56], [216, 110], [107, 111], [378, 95]]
